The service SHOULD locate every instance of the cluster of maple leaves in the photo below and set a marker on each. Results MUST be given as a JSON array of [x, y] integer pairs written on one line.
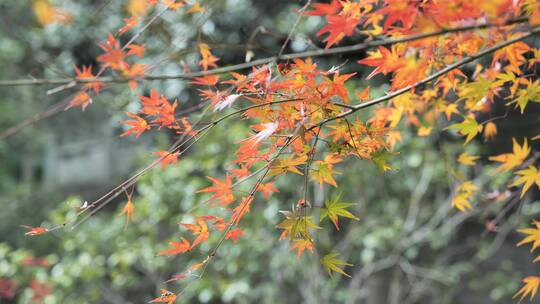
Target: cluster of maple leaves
[[301, 114]]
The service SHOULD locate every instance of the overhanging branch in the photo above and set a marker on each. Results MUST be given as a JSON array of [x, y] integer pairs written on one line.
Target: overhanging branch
[[242, 66]]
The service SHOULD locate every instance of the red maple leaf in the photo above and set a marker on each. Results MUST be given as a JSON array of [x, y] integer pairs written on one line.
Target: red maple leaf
[[337, 28]]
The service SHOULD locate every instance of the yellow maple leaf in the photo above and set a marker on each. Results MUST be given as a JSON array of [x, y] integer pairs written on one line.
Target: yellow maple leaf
[[490, 130], [47, 14], [463, 194], [528, 177], [514, 159], [424, 131], [531, 287], [533, 236], [466, 159], [137, 7]]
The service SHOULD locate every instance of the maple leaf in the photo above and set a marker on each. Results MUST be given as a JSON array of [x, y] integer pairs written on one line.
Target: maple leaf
[[296, 225], [130, 23], [338, 85], [136, 49], [323, 9], [138, 125], [174, 4], [134, 71], [287, 164], [385, 61], [196, 8], [165, 297], [514, 159], [243, 207], [33, 231], [207, 59], [114, 55], [301, 245], [337, 28], [466, 159], [234, 234], [530, 93], [137, 7], [325, 170], [47, 14], [468, 127], [176, 277], [334, 208], [424, 131], [127, 210], [398, 10], [222, 190], [86, 73], [200, 230], [533, 236], [208, 80], [177, 248], [167, 158], [532, 283], [528, 177], [490, 130], [266, 189], [463, 193], [332, 264], [82, 99]]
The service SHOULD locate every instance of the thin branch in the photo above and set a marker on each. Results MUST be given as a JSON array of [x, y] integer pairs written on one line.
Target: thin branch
[[313, 53]]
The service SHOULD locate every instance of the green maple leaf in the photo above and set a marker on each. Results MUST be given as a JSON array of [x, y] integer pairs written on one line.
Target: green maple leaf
[[296, 225], [332, 264], [468, 127], [334, 208]]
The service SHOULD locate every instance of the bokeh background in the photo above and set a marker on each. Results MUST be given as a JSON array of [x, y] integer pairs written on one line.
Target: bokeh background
[[409, 246]]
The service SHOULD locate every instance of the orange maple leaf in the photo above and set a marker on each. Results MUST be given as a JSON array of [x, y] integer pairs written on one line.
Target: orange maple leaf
[[200, 230], [222, 190], [129, 24], [301, 245], [532, 283], [176, 277], [167, 158], [165, 297], [337, 28], [323, 9], [208, 80], [138, 125], [207, 59], [81, 99], [114, 55], [234, 234], [177, 248], [128, 211], [33, 231], [86, 73], [242, 208]]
